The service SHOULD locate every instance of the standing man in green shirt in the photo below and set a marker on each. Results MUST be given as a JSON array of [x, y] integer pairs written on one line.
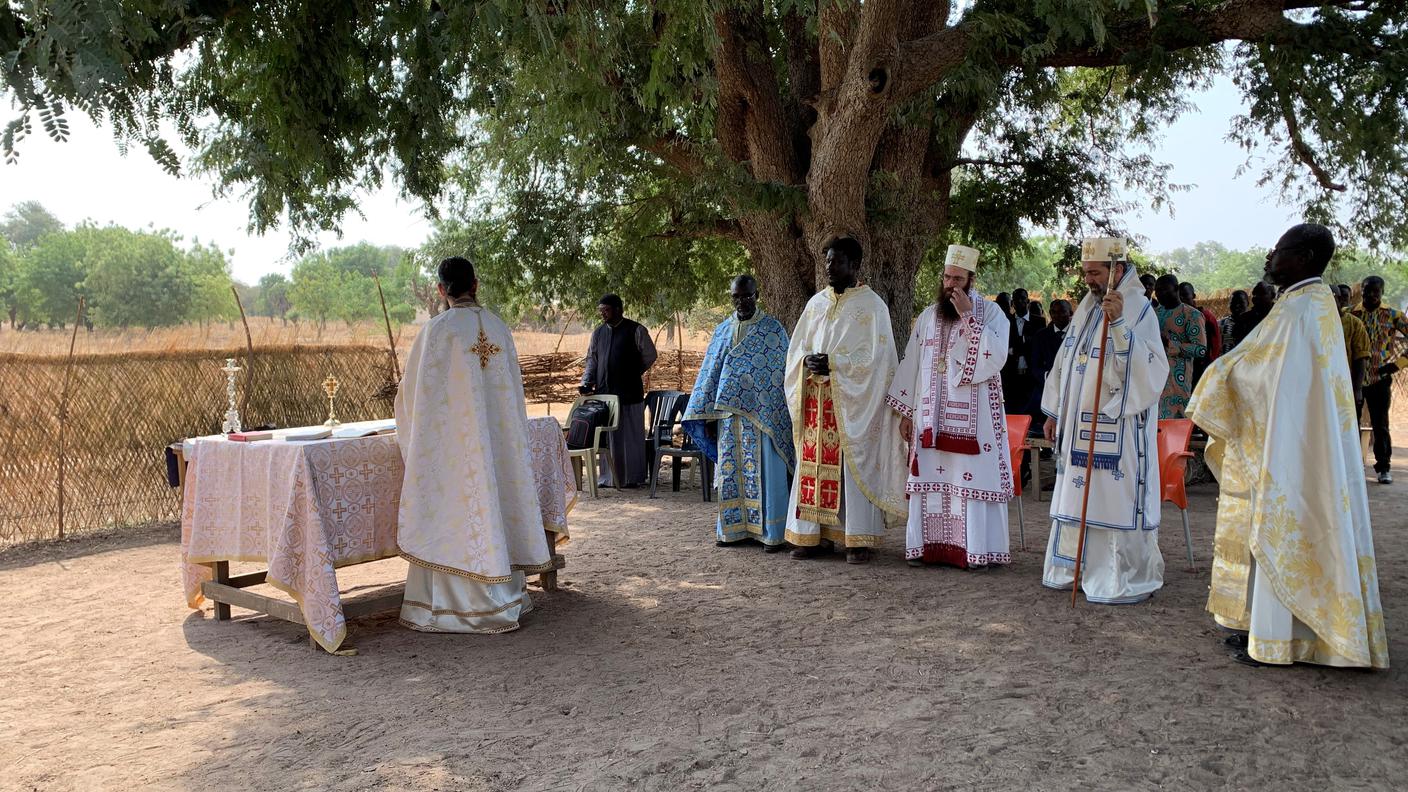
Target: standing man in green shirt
[[1386, 327]]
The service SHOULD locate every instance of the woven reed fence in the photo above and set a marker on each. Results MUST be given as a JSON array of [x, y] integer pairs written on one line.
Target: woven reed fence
[[124, 409]]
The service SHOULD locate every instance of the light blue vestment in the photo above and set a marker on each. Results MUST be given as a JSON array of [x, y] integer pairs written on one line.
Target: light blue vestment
[[740, 392]]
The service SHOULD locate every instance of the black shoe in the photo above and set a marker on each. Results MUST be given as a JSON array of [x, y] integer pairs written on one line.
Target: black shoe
[[1236, 641], [1247, 660], [722, 543], [777, 548]]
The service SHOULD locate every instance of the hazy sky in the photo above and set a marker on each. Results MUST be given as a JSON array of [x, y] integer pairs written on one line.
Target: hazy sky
[[86, 178]]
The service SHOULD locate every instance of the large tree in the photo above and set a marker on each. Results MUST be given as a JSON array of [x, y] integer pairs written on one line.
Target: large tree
[[772, 123]]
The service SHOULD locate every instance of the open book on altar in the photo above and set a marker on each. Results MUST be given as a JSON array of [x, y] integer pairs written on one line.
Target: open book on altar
[[365, 428], [306, 433]]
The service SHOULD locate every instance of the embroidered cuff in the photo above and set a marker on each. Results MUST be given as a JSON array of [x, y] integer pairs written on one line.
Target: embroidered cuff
[[899, 406]]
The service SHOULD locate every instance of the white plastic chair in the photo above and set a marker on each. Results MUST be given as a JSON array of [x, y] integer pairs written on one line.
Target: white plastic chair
[[588, 457]]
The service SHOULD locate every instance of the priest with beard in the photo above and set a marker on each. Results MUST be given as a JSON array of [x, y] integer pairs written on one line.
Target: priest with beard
[[1121, 562], [948, 393]]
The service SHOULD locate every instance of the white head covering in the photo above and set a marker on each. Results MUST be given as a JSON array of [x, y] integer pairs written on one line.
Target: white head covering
[[1103, 248], [962, 257]]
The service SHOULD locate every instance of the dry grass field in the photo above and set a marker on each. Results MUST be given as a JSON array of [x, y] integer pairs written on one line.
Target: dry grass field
[[267, 332]]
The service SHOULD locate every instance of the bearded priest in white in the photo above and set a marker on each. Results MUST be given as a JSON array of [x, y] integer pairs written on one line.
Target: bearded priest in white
[[470, 523], [948, 392], [1121, 563], [850, 462], [1294, 569]]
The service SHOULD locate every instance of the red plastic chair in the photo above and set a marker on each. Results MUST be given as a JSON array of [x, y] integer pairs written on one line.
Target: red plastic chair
[[1174, 436], [1017, 427]]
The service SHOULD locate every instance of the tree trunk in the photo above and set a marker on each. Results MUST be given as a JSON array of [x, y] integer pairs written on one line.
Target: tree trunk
[[787, 272]]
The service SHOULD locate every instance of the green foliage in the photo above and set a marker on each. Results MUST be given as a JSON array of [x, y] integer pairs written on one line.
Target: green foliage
[[1210, 267], [618, 160], [337, 284], [9, 277], [128, 278], [26, 222], [271, 296], [133, 278], [51, 278]]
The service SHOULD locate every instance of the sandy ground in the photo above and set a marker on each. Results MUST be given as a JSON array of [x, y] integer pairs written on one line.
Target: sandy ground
[[668, 664]]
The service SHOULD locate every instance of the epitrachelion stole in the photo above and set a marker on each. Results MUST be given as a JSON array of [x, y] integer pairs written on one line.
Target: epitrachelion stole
[[819, 464]]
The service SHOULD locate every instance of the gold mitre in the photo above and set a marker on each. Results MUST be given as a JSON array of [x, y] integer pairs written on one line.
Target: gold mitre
[[1104, 249], [962, 257]]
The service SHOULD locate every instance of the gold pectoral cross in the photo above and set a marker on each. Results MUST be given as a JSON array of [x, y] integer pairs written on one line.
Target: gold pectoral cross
[[484, 349]]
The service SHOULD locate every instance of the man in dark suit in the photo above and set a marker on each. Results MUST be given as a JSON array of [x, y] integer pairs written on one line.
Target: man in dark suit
[[1045, 346], [1017, 376]]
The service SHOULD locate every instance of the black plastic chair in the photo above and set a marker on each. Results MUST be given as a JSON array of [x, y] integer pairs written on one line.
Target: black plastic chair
[[664, 417]]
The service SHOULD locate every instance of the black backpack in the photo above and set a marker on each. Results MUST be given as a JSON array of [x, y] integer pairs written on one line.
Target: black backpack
[[584, 421]]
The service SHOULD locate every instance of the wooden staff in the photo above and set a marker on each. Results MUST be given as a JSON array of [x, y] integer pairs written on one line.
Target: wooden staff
[[390, 339], [1094, 427], [63, 411], [249, 358]]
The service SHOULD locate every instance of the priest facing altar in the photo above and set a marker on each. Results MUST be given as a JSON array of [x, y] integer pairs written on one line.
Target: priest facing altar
[[469, 523]]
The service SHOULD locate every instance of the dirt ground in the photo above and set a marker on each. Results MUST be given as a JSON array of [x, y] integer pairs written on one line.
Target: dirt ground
[[668, 664]]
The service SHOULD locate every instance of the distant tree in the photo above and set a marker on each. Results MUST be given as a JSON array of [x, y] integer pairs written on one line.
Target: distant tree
[[272, 296], [51, 276], [9, 282], [337, 284], [209, 270], [133, 278], [1352, 265], [26, 222], [1211, 266], [315, 291]]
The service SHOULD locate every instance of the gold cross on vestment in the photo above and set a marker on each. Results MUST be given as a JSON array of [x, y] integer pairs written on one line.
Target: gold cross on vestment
[[484, 349]]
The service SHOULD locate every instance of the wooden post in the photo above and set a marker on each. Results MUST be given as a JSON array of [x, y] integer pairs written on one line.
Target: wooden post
[[390, 339], [249, 359], [63, 411], [679, 351]]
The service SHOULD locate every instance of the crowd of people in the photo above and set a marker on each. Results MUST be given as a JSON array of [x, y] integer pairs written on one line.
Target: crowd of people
[[824, 436]]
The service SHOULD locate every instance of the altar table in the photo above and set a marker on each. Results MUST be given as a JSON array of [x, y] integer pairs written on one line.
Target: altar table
[[305, 508]]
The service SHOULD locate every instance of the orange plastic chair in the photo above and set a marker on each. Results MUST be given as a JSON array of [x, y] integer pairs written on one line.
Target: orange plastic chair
[[1017, 427], [1174, 436]]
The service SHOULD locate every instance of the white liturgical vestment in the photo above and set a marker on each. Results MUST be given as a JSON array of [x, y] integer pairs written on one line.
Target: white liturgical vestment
[[470, 524], [960, 472], [1122, 563]]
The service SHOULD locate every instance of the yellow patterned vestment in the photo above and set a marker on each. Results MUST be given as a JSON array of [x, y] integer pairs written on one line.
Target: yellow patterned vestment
[[1294, 554]]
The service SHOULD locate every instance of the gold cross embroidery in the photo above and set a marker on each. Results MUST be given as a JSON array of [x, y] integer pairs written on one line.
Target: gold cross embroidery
[[484, 349]]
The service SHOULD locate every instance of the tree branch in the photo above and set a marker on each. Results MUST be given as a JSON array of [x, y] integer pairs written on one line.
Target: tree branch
[[1299, 148], [752, 126], [834, 41], [676, 151], [719, 229], [925, 61], [993, 162]]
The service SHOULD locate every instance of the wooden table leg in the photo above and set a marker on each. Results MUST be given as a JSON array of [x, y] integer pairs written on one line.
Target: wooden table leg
[[222, 576], [548, 580]]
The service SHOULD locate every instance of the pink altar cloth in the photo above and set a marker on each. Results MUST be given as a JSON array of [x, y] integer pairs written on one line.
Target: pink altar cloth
[[306, 508]]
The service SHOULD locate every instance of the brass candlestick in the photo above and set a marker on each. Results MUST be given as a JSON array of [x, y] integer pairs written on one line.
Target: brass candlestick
[[330, 388]]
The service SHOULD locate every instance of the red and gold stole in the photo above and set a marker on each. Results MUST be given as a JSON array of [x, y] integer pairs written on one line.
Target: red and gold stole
[[819, 499]]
